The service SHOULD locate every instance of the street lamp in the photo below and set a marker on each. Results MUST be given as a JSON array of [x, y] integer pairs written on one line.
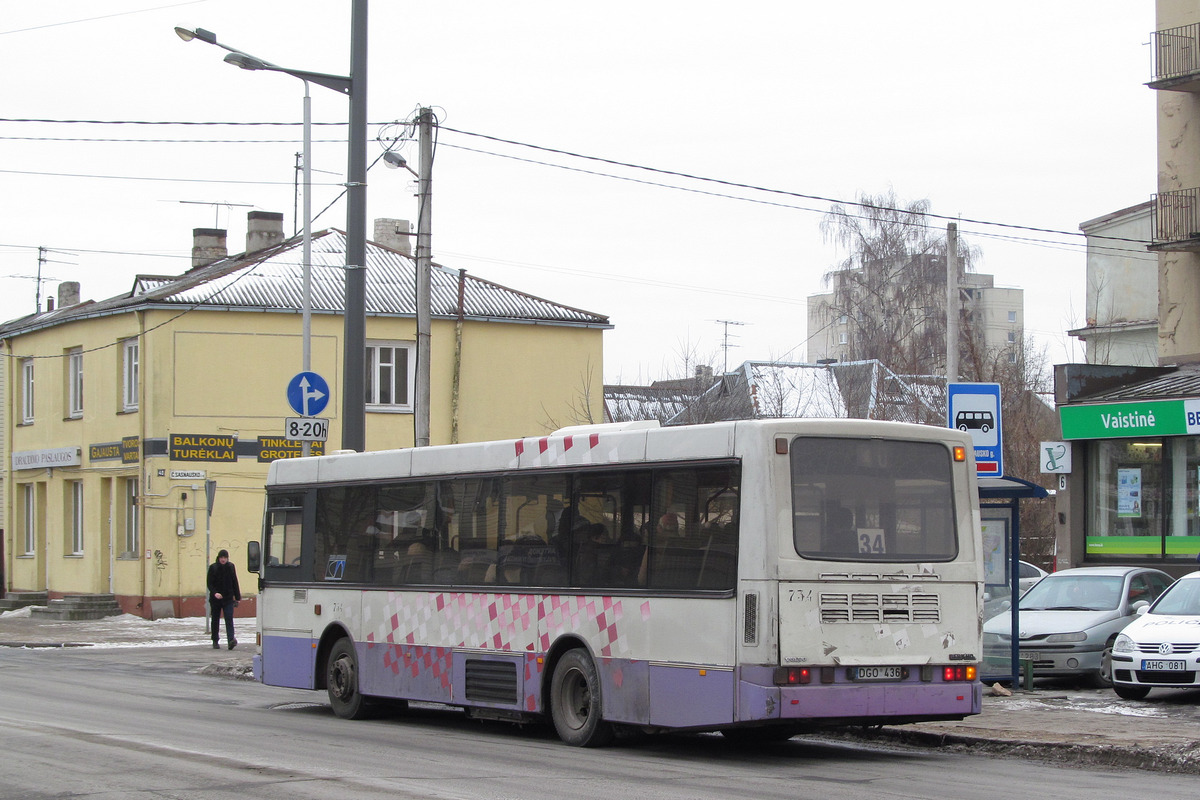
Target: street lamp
[[354, 380]]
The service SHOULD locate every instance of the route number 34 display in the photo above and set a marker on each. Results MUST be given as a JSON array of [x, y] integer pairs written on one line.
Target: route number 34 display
[[306, 429]]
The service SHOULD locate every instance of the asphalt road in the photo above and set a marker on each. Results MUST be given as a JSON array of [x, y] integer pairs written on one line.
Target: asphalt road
[[150, 723]]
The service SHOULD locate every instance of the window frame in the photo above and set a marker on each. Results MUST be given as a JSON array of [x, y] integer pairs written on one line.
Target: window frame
[[75, 383], [76, 510], [27, 391], [29, 515], [132, 524], [374, 368], [130, 374]]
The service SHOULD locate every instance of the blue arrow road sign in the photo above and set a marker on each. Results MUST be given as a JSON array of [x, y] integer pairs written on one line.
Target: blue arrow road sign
[[308, 394]]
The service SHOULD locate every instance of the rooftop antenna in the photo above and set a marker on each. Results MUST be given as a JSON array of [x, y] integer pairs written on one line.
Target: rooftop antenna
[[39, 277], [725, 345], [217, 206]]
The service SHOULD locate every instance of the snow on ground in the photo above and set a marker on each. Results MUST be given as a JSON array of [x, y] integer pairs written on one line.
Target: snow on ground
[[124, 630]]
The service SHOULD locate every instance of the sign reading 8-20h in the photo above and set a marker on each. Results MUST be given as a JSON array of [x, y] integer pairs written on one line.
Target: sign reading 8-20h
[[1120, 420]]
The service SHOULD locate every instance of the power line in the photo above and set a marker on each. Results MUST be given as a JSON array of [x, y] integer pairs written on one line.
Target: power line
[[753, 187], [599, 159]]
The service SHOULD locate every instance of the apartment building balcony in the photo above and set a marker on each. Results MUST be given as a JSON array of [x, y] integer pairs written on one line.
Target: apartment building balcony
[[1176, 59], [1176, 221]]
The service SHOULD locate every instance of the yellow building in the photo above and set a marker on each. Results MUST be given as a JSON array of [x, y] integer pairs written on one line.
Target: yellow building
[[122, 414]]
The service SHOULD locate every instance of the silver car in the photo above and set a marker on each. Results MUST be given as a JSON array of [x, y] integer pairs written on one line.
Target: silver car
[[1070, 619]]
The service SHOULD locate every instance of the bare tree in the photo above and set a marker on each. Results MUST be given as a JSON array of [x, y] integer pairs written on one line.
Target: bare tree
[[891, 286], [1022, 370]]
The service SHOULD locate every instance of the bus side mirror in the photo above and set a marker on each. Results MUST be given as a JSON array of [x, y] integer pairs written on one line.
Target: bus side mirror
[[253, 556]]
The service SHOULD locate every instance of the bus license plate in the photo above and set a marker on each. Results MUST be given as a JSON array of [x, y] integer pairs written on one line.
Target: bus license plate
[[879, 674], [1163, 666]]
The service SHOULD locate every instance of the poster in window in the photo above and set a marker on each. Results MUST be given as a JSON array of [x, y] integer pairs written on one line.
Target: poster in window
[[1129, 492], [995, 552]]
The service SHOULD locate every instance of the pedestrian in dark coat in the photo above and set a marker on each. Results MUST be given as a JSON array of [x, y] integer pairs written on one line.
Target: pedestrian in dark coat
[[223, 595]]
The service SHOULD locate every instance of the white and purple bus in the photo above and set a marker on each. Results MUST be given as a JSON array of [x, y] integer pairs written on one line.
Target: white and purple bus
[[759, 578]]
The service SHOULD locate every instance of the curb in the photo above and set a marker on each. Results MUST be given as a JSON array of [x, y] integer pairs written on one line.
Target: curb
[[32, 645], [1150, 758]]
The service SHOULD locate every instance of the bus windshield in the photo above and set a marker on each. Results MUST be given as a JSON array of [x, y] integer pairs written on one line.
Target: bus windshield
[[872, 500]]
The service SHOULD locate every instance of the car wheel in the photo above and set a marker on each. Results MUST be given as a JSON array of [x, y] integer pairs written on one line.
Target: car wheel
[[1102, 678], [1131, 692]]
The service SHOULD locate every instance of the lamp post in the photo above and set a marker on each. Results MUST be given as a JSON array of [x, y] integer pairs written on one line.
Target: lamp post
[[354, 87]]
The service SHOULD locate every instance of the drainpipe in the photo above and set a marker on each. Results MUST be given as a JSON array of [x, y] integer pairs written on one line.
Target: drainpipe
[[143, 478], [458, 331]]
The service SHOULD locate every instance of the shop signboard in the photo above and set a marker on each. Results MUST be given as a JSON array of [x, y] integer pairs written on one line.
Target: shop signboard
[[1128, 420]]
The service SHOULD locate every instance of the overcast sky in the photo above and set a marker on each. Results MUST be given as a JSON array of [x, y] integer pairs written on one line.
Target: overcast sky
[[1024, 113]]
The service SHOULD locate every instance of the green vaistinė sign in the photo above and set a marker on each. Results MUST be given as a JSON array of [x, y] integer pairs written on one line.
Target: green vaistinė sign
[[1122, 420]]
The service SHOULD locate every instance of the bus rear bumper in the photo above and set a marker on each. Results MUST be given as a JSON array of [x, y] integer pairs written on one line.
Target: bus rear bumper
[[852, 703]]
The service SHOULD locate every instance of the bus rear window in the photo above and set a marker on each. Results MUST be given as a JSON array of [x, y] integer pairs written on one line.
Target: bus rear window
[[872, 500]]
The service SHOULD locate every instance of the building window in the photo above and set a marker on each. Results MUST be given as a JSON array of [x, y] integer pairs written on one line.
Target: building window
[[129, 375], [131, 517], [1012, 337], [27, 391], [843, 319], [391, 372], [1012, 316], [29, 518], [75, 383], [1143, 498], [842, 337], [75, 506]]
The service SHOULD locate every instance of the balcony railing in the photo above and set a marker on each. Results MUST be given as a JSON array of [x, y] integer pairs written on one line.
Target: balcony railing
[[1175, 52], [1177, 220]]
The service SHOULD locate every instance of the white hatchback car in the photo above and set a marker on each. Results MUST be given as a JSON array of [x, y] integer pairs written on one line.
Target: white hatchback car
[[1162, 646]]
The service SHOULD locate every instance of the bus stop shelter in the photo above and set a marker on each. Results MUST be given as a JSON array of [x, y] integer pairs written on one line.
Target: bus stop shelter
[[999, 506]]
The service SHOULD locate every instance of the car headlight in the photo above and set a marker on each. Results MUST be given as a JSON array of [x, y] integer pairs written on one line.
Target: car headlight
[[1123, 644], [1062, 638]]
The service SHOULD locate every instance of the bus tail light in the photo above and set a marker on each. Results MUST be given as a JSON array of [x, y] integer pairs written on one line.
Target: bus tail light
[[959, 673], [960, 454], [793, 676]]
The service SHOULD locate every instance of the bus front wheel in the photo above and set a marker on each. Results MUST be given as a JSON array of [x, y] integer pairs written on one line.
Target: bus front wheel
[[341, 681], [576, 702]]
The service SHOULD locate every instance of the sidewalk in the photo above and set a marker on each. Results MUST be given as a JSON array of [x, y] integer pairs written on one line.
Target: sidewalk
[[1092, 727]]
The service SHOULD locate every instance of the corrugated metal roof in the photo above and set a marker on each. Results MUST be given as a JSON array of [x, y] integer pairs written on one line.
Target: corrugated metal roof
[[272, 279], [1184, 382]]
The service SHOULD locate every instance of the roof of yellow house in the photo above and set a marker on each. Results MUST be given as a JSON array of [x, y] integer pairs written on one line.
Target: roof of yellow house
[[272, 279]]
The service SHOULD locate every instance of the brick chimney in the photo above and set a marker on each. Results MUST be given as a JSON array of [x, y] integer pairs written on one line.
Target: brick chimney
[[68, 294], [263, 229], [208, 245], [394, 233]]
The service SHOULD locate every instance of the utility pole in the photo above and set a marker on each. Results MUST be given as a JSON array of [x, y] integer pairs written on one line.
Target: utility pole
[[424, 275], [951, 302], [354, 357]]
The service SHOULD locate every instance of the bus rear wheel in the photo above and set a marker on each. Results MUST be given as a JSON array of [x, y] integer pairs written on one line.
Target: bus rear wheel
[[341, 681], [576, 705]]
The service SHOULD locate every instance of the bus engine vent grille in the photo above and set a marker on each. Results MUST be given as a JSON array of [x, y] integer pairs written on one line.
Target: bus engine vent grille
[[492, 681], [299, 595], [750, 623], [875, 607]]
